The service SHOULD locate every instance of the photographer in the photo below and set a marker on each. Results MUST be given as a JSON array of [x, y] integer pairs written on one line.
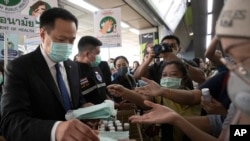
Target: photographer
[[167, 50]]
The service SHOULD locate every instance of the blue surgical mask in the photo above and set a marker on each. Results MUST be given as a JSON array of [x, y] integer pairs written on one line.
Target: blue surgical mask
[[171, 82], [122, 71], [1, 78], [60, 51], [97, 61]]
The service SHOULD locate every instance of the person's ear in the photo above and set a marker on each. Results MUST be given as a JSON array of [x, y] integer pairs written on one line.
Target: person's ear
[[42, 34]]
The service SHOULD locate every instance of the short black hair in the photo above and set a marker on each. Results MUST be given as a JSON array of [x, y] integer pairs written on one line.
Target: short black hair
[[120, 57], [88, 43], [171, 37], [48, 17]]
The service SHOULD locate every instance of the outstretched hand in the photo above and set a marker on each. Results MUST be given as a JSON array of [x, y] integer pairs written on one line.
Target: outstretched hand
[[213, 107], [151, 89], [158, 114], [116, 90]]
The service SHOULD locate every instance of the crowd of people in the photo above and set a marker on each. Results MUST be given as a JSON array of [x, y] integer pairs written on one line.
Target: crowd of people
[[40, 87]]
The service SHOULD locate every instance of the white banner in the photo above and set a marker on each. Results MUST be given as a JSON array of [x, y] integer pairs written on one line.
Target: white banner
[[17, 23], [36, 8], [107, 27]]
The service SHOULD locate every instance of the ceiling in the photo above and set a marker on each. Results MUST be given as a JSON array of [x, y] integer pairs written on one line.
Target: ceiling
[[136, 15], [128, 15]]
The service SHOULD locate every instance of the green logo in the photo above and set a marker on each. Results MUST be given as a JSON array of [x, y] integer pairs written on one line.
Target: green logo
[[13, 6], [108, 25]]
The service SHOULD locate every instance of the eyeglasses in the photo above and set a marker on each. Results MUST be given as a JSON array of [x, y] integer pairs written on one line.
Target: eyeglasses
[[241, 69]]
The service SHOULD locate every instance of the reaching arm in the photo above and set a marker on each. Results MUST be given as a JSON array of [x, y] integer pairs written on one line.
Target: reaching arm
[[130, 95], [161, 114], [211, 52], [186, 97], [142, 70], [196, 74], [200, 122]]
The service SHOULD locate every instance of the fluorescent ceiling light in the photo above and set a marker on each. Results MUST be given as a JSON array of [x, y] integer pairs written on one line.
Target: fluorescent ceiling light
[[124, 25], [134, 31], [85, 5], [209, 23], [210, 6], [208, 40]]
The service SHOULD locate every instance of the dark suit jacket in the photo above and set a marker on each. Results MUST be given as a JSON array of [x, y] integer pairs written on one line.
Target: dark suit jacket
[[31, 102]]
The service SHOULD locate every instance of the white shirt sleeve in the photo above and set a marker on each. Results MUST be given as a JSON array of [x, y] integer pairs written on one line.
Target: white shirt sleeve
[[53, 131]]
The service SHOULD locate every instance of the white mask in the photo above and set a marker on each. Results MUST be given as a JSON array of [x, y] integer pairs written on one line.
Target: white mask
[[239, 93]]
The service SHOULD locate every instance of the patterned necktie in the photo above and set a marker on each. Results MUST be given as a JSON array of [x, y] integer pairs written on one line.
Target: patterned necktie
[[63, 89]]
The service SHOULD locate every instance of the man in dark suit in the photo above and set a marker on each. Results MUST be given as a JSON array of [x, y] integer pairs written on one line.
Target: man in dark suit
[[41, 86]]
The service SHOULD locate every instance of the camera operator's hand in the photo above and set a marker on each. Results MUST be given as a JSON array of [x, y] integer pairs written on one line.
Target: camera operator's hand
[[149, 57]]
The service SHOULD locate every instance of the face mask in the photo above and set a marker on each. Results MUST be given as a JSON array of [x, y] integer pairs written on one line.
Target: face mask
[[60, 51], [170, 82], [122, 71], [97, 61], [239, 93], [1, 78], [104, 110], [111, 65]]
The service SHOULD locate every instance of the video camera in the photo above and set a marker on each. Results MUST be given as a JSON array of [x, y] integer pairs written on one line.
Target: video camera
[[161, 48]]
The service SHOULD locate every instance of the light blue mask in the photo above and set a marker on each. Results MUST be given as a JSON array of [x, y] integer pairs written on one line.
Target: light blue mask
[[60, 51], [1, 78], [104, 110], [171, 82], [97, 61]]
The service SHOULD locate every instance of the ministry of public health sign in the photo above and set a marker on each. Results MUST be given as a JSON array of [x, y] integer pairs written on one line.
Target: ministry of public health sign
[[17, 23], [12, 6]]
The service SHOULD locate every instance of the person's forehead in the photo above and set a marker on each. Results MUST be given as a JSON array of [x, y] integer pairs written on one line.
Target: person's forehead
[[121, 61]]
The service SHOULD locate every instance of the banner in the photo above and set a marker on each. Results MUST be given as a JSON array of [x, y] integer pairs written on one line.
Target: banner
[[12, 6], [12, 46], [36, 8], [17, 23], [107, 27], [147, 40]]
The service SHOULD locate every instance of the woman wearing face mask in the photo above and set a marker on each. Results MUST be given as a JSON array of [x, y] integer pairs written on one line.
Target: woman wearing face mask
[[122, 75], [174, 76]]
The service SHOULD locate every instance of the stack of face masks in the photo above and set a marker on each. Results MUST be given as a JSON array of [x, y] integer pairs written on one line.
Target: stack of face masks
[[104, 110], [113, 136]]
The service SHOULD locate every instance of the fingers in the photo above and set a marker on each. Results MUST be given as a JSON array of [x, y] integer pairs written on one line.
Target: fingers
[[86, 131], [149, 103], [74, 130]]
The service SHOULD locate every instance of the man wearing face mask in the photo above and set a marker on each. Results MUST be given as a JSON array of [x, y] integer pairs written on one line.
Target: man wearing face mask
[[153, 71], [93, 86], [40, 87]]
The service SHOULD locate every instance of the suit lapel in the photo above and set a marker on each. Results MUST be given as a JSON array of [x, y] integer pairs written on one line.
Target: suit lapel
[[72, 76], [42, 69]]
